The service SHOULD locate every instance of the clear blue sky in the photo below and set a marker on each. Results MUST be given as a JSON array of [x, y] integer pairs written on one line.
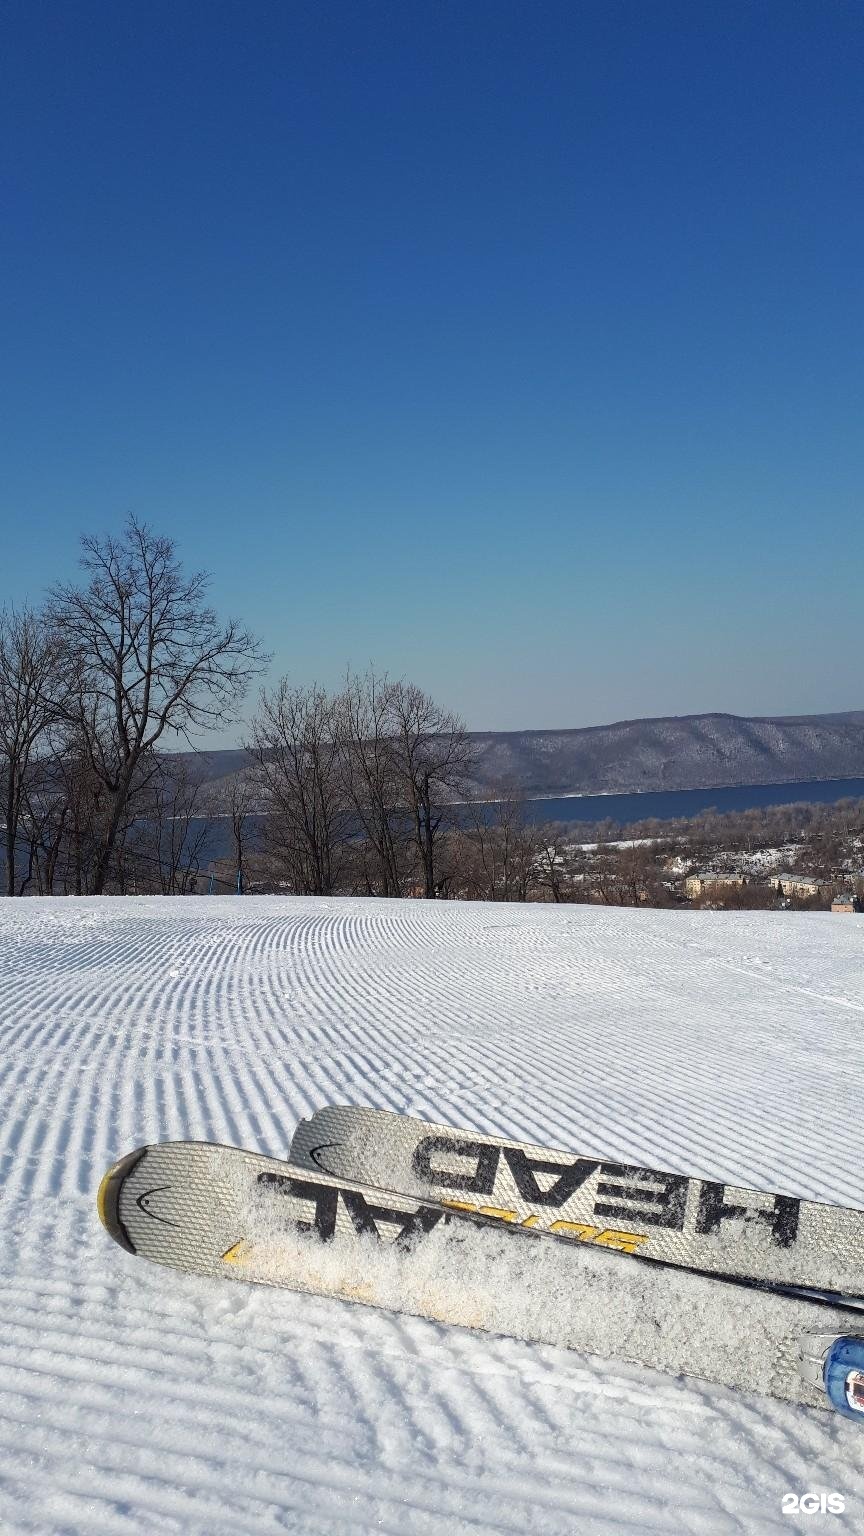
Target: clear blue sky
[[514, 346]]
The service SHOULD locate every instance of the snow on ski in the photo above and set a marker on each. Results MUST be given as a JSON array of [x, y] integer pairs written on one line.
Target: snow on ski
[[692, 1223], [221, 1211]]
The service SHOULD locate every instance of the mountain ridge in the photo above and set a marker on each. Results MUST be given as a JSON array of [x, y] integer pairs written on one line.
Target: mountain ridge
[[711, 750]]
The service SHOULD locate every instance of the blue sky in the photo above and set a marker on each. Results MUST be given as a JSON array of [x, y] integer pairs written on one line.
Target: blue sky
[[516, 347]]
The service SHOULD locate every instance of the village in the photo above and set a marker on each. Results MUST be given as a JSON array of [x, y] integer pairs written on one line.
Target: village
[[786, 858]]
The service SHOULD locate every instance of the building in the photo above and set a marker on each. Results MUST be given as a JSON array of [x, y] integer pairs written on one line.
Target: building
[[798, 885], [845, 903], [697, 885]]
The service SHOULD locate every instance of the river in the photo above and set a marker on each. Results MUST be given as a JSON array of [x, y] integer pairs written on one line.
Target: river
[[623, 809]]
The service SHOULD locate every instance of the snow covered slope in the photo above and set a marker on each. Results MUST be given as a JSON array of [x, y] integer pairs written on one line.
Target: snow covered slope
[[136, 1400]]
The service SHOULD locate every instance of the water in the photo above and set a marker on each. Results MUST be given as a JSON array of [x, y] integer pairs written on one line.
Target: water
[[668, 804], [665, 805]]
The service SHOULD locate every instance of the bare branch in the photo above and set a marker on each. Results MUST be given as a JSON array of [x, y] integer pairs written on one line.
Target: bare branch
[[149, 657]]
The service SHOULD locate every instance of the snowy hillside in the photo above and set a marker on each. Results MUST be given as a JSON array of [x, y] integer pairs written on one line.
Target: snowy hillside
[[629, 756], [135, 1400]]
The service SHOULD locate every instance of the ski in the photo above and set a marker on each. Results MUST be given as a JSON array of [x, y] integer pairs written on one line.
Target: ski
[[221, 1211], [693, 1223]]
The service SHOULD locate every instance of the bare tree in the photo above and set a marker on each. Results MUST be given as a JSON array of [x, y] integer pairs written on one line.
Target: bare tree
[[550, 865], [51, 803], [150, 658], [51, 816], [241, 803], [41, 833], [81, 800], [433, 757], [371, 773], [296, 745], [29, 679], [167, 837], [604, 880], [500, 846]]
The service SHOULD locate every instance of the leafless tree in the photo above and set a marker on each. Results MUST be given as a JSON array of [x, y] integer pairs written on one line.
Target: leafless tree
[[151, 658], [241, 803], [626, 875], [499, 849], [602, 882], [433, 758], [371, 774], [44, 823], [29, 688], [296, 744], [83, 805], [165, 841], [550, 865], [747, 896]]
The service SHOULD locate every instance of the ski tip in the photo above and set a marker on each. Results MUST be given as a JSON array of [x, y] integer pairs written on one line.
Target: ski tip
[[108, 1198]]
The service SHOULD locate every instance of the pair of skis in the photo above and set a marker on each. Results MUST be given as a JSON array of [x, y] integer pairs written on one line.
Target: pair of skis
[[746, 1289]]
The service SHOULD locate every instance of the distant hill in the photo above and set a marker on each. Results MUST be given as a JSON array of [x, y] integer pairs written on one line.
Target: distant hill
[[672, 752], [676, 752]]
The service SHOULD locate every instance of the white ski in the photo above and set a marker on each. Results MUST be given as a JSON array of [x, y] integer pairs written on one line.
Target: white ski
[[220, 1211]]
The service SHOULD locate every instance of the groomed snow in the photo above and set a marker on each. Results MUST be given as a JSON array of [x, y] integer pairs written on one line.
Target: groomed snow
[[136, 1400]]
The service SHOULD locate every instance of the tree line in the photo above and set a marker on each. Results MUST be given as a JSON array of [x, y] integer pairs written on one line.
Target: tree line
[[114, 670], [92, 685], [370, 789], [356, 784]]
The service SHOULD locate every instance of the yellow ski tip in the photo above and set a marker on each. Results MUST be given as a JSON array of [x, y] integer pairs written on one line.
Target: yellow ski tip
[[108, 1198], [102, 1197]]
